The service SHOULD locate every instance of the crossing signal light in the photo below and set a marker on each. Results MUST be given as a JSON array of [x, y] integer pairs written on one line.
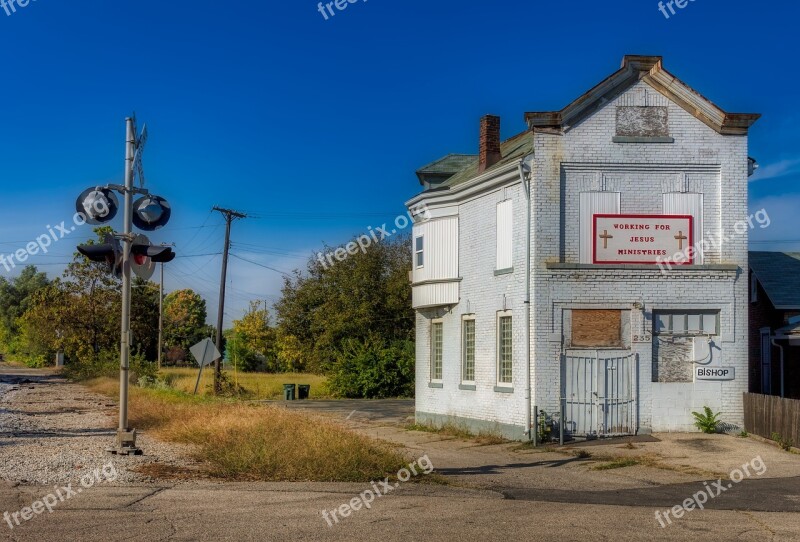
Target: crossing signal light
[[151, 213], [97, 205], [109, 252], [155, 253]]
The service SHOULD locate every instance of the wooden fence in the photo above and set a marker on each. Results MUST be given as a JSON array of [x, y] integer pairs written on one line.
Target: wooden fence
[[765, 415]]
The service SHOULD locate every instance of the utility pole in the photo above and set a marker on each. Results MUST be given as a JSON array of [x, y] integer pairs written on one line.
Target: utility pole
[[161, 316], [230, 216]]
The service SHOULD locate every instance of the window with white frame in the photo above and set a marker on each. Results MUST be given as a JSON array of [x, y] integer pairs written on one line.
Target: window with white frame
[[468, 349], [437, 350], [419, 251], [505, 346], [505, 235], [686, 323]]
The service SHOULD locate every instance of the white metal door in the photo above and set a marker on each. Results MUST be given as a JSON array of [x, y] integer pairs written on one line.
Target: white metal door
[[599, 395]]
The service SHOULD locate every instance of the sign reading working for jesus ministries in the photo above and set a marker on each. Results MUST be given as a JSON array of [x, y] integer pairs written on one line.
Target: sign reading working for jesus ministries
[[643, 239]]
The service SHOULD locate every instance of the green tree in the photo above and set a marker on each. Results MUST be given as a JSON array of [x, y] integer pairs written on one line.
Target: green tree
[[326, 310], [78, 314], [144, 318], [252, 340], [184, 320], [16, 297]]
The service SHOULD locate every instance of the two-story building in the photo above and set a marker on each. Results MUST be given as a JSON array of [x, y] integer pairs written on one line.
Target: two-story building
[[593, 266]]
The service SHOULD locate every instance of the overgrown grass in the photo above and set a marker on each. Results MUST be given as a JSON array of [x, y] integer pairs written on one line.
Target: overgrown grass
[[260, 386], [458, 431], [255, 442], [620, 463]]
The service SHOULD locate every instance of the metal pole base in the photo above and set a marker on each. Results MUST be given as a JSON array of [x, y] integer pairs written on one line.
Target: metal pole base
[[126, 444]]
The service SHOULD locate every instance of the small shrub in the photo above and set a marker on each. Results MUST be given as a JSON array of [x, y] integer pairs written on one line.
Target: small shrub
[[583, 454], [545, 427], [707, 422], [229, 388], [786, 444], [156, 383], [618, 464], [36, 361], [141, 368], [744, 434]]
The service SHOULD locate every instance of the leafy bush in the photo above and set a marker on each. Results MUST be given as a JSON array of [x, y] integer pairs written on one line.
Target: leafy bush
[[141, 368], [36, 361], [785, 443], [545, 427], [708, 422], [229, 388], [373, 369], [162, 382]]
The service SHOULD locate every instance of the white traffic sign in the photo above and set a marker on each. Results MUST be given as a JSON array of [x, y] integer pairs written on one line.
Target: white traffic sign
[[715, 373], [205, 352]]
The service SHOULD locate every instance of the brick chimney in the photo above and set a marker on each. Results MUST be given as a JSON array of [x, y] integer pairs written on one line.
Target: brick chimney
[[489, 142]]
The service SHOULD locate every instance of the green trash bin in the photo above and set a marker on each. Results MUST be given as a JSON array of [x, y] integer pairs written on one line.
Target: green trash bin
[[303, 391], [288, 392]]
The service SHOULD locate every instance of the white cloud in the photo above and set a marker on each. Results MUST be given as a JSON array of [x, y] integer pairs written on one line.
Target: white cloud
[[778, 169], [783, 233]]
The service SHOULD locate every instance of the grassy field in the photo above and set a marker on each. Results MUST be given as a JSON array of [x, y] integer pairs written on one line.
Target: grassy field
[[261, 386], [240, 441]]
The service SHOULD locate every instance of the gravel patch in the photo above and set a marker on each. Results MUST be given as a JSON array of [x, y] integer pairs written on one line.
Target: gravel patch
[[54, 432]]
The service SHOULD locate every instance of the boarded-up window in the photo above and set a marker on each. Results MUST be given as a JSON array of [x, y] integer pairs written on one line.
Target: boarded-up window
[[505, 235], [635, 121], [596, 328]]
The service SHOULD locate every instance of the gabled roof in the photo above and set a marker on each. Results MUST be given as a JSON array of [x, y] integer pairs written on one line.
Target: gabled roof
[[651, 70], [779, 275]]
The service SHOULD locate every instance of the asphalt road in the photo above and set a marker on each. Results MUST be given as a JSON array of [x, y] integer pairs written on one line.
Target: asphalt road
[[281, 512]]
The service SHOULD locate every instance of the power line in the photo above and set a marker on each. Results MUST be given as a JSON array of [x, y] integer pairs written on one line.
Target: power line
[[262, 265]]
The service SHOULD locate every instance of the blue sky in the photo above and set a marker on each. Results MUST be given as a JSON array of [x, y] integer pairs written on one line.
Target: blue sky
[[317, 126]]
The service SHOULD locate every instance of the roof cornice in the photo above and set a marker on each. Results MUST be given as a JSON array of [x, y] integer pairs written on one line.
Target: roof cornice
[[651, 70], [505, 174]]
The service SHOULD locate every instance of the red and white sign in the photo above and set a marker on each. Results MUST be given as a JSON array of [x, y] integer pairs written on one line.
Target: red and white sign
[[643, 239]]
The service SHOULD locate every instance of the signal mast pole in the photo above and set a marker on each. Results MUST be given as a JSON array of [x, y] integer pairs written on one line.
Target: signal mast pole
[[126, 440]]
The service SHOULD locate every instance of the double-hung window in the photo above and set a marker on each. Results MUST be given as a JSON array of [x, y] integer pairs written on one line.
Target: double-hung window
[[419, 252]]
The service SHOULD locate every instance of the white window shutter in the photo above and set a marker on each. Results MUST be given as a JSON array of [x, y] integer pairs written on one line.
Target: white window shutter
[[505, 235], [594, 203], [680, 203]]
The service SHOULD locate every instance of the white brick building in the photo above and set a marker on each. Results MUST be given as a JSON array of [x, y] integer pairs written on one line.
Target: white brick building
[[638, 312]]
